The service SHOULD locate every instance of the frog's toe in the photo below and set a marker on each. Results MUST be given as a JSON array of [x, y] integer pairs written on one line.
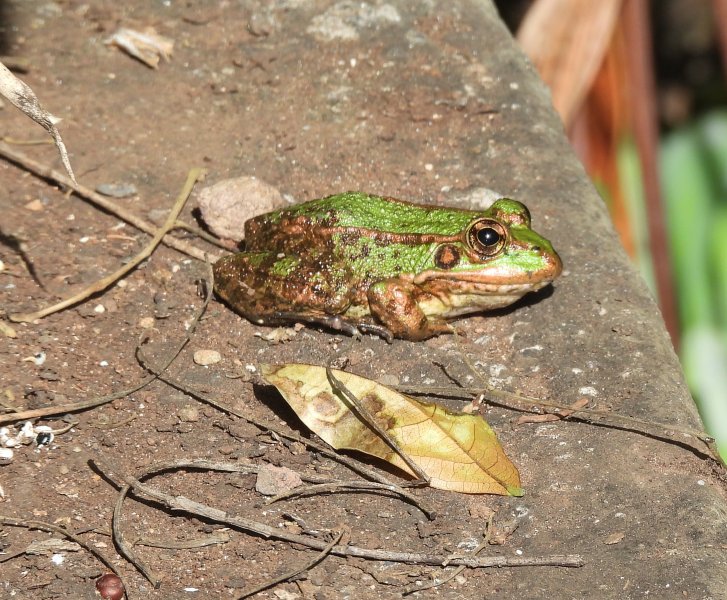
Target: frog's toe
[[379, 330]]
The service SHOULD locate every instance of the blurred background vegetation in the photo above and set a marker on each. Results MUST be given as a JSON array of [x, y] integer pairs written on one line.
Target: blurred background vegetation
[[640, 87]]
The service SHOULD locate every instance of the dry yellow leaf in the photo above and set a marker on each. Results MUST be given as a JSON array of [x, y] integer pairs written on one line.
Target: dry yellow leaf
[[457, 451]]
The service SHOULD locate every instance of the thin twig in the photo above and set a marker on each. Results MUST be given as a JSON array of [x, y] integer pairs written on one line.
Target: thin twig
[[86, 404], [208, 540], [332, 487], [126, 550], [589, 415], [363, 414], [71, 407], [105, 282], [295, 572], [31, 524], [181, 503], [101, 202]]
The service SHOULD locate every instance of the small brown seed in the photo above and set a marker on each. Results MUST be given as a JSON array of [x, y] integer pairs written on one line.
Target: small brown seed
[[110, 587]]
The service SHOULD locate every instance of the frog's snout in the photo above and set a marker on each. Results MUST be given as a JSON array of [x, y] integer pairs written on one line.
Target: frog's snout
[[553, 264]]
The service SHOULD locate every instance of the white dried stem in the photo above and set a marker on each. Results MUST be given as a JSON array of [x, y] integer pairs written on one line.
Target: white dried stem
[[20, 94]]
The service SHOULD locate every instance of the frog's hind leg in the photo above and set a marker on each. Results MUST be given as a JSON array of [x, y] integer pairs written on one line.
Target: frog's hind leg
[[241, 281], [269, 290]]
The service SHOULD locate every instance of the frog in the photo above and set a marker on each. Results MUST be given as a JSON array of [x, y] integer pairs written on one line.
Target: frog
[[359, 263]]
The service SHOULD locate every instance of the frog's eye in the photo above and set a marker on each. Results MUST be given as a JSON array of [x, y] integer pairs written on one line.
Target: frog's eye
[[486, 237]]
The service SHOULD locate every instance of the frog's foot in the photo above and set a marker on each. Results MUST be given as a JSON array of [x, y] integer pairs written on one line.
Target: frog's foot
[[375, 329], [335, 322]]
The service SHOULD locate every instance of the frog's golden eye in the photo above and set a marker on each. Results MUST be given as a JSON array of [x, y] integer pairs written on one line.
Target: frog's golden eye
[[486, 237]]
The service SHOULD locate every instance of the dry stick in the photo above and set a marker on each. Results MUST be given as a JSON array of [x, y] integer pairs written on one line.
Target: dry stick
[[331, 487], [60, 531], [437, 582], [320, 484], [294, 573], [210, 540], [25, 142], [127, 550], [105, 282], [99, 201], [365, 415], [181, 503], [86, 404], [591, 415], [62, 409]]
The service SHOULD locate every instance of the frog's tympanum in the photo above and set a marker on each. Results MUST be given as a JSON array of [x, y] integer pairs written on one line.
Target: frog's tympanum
[[361, 263]]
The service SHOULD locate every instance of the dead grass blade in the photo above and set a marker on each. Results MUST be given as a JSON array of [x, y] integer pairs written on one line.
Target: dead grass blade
[[99, 201], [21, 96], [105, 282]]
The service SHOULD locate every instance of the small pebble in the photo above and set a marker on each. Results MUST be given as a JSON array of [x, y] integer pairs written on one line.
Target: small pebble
[[188, 414], [146, 322], [272, 480], [226, 205], [157, 215], [34, 205], [207, 357], [117, 190], [389, 379]]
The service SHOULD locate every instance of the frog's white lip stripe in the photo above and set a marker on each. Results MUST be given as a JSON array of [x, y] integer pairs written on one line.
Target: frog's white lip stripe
[[493, 289], [479, 282]]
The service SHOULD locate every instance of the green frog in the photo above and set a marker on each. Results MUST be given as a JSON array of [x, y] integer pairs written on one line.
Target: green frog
[[360, 263]]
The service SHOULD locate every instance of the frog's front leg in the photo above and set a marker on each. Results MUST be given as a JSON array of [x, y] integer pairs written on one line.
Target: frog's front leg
[[398, 305]]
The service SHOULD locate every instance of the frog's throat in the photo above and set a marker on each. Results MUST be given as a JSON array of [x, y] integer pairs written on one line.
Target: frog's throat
[[452, 299]]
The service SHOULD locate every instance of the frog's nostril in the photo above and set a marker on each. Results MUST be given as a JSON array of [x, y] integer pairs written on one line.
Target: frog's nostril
[[536, 248]]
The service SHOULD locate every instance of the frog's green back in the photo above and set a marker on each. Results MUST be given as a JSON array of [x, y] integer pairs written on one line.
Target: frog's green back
[[358, 209]]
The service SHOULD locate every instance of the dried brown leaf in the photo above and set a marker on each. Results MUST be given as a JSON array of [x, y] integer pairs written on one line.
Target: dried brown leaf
[[457, 451]]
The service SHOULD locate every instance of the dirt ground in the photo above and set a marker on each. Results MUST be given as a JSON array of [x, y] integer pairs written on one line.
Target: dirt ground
[[253, 88]]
